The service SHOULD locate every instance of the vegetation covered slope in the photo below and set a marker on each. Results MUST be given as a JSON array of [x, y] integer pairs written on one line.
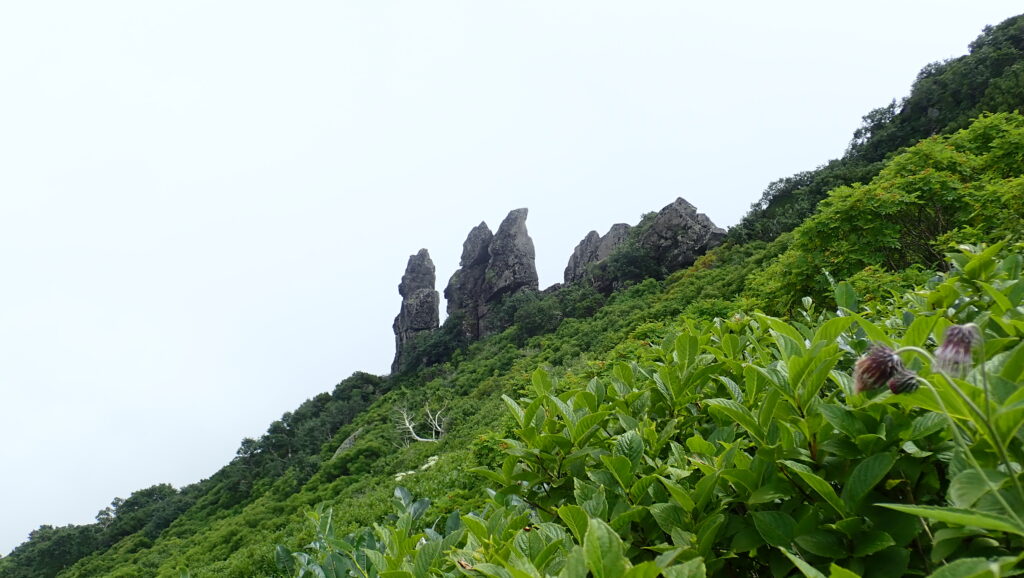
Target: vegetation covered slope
[[945, 97], [667, 389]]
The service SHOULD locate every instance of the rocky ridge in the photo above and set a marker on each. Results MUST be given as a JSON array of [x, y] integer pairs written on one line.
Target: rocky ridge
[[494, 266]]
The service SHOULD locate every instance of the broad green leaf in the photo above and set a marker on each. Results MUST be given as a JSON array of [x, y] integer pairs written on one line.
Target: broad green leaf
[[983, 263], [961, 517], [705, 490], [490, 570], [783, 328], [707, 532], [376, 559], [689, 569], [495, 477], [846, 296], [740, 415], [624, 373], [687, 348], [426, 555], [968, 568], [603, 550], [970, 485], [646, 570], [583, 426], [820, 542], [1013, 365], [568, 414], [542, 382], [681, 496], [283, 558], [871, 541], [805, 568], [840, 572], [927, 424], [476, 526], [641, 486], [808, 372], [620, 467], [576, 519], [545, 555], [777, 528], [918, 332], [514, 409], [769, 493], [865, 476], [873, 332], [819, 485], [575, 564], [842, 419], [831, 329], [1002, 302], [734, 390], [631, 446], [669, 516]]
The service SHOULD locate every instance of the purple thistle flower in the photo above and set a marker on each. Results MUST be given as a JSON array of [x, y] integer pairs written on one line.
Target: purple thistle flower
[[954, 355], [876, 368], [905, 381]]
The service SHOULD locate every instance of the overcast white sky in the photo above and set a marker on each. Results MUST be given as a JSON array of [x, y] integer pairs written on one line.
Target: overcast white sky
[[206, 207]]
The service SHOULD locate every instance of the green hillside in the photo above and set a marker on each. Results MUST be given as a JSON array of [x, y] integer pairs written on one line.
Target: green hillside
[[714, 420]]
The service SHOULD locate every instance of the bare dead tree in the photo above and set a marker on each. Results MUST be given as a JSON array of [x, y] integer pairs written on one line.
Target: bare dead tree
[[435, 421]]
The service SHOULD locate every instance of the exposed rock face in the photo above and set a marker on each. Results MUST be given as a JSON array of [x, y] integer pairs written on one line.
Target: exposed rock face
[[679, 234], [466, 286], [420, 302], [492, 266], [513, 262], [594, 248]]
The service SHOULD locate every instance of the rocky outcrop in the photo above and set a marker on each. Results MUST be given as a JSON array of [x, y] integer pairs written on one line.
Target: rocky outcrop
[[466, 285], [678, 234], [592, 249], [492, 267], [420, 303], [512, 266]]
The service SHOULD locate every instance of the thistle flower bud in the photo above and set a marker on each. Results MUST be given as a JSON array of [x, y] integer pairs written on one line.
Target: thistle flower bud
[[905, 381], [876, 368], [954, 355]]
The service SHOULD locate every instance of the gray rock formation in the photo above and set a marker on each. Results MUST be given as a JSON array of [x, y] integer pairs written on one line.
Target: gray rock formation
[[513, 262], [679, 234], [420, 303], [592, 249], [492, 267], [466, 285]]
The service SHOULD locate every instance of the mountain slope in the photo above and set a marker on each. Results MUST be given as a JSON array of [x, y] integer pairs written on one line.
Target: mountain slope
[[348, 449]]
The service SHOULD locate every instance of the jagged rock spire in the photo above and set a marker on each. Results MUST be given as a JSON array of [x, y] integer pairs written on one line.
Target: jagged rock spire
[[492, 267], [420, 303], [592, 249]]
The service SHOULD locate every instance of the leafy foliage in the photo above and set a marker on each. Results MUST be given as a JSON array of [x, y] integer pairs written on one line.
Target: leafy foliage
[[945, 98], [961, 187]]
